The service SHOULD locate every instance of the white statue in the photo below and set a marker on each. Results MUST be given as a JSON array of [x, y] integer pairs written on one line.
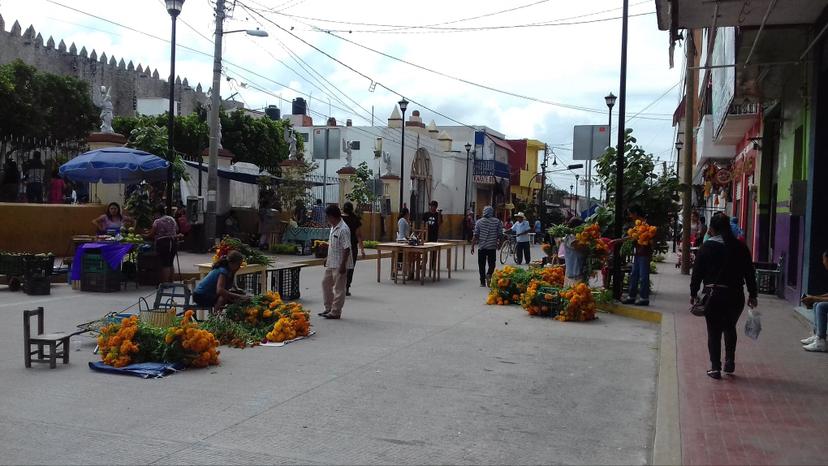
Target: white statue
[[290, 138], [106, 110], [386, 162], [346, 147]]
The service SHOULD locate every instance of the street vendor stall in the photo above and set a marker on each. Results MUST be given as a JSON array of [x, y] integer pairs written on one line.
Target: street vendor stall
[[97, 266]]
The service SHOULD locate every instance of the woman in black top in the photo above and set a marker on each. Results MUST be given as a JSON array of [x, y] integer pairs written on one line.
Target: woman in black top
[[354, 224], [726, 263]]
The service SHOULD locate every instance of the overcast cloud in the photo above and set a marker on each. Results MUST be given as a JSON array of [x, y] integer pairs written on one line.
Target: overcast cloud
[[570, 64]]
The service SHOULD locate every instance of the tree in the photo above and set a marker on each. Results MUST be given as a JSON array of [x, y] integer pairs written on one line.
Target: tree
[[655, 193], [362, 193], [153, 139], [39, 106], [293, 187]]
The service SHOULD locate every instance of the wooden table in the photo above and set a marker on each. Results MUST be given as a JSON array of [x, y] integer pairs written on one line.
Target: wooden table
[[457, 243], [421, 252], [204, 269]]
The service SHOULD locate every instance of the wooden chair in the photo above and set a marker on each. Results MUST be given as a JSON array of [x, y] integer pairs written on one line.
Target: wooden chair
[[58, 343]]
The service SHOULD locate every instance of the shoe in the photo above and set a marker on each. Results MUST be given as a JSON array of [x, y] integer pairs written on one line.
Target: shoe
[[817, 346], [642, 303], [628, 301], [348, 293], [729, 367], [482, 284], [714, 374], [809, 340], [324, 314], [331, 316]]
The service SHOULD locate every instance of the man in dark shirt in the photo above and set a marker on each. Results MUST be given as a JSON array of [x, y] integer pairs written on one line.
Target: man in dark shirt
[[35, 173], [11, 180], [433, 218]]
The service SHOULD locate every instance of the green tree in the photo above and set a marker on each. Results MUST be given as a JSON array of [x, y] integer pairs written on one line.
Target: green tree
[[39, 105], [362, 193], [153, 139], [294, 186], [655, 193]]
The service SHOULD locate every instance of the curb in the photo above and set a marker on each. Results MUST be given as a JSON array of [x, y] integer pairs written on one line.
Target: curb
[[667, 437]]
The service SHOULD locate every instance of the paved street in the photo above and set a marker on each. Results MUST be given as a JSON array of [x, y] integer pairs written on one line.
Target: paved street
[[411, 374]]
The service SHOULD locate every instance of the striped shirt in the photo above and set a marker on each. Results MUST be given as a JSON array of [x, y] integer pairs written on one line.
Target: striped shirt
[[487, 232], [339, 246]]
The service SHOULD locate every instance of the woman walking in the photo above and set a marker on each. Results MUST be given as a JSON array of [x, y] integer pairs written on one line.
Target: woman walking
[[724, 265], [355, 225]]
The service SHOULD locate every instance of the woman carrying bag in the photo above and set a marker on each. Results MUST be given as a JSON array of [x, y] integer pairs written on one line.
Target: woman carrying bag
[[725, 266]]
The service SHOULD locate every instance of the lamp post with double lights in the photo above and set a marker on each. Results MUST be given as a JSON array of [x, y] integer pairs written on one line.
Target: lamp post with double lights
[[215, 107], [403, 105], [174, 9]]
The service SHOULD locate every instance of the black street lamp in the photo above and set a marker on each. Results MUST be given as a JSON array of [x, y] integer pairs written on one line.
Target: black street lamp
[[610, 100], [403, 105], [679, 145], [174, 9], [466, 195], [571, 187], [619, 159]]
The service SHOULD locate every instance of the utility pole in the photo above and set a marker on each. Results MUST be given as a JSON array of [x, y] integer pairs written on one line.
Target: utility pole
[[541, 197], [619, 160], [687, 169], [215, 105]]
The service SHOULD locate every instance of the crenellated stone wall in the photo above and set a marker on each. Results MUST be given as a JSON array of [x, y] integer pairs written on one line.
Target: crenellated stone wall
[[127, 81]]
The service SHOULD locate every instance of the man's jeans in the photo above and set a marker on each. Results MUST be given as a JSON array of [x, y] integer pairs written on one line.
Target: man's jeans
[[522, 250], [820, 319], [485, 256], [640, 273]]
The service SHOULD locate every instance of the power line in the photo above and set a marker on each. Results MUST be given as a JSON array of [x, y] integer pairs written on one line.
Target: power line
[[393, 27], [482, 86]]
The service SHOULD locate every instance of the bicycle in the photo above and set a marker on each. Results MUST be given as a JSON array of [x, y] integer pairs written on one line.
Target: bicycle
[[508, 247]]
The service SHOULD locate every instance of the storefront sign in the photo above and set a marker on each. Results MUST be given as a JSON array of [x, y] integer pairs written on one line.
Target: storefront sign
[[484, 179]]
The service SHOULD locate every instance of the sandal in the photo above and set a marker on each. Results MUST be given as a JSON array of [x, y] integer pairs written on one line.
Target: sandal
[[714, 374]]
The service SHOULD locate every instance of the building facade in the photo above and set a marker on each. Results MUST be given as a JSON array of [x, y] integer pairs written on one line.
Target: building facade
[[524, 180]]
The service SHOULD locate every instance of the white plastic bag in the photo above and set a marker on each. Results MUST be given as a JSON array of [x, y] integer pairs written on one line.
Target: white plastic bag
[[753, 325]]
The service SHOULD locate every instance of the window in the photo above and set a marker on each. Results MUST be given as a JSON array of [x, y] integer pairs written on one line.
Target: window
[[304, 136], [355, 145]]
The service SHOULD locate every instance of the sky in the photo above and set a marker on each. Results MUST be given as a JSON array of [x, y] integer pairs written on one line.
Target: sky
[[559, 53]]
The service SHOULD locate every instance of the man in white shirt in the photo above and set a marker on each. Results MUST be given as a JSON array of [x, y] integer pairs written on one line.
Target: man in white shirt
[[336, 264], [522, 229]]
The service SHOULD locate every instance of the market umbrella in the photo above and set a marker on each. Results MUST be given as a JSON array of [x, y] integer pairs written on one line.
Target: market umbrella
[[115, 165]]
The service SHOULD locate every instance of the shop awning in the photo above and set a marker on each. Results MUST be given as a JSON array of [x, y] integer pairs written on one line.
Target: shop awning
[[501, 143]]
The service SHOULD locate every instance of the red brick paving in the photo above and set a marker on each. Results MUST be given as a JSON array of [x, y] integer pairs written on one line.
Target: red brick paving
[[773, 411]]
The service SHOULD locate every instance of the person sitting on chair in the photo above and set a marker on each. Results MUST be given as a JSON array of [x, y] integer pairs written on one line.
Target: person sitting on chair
[[214, 291]]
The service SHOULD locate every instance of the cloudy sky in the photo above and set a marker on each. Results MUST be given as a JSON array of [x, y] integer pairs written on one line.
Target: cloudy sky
[[564, 54]]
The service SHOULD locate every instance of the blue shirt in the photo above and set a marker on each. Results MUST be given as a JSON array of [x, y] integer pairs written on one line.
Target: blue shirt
[[207, 286]]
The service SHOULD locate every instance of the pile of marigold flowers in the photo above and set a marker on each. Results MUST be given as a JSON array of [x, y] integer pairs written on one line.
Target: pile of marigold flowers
[[642, 233], [131, 341], [541, 299], [580, 306], [509, 284], [294, 322], [115, 343], [258, 320]]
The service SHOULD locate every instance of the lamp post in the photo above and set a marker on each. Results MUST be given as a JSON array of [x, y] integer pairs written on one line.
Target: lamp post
[[577, 207], [215, 106], [679, 145], [174, 9], [466, 192], [619, 160], [610, 101], [571, 187], [403, 105]]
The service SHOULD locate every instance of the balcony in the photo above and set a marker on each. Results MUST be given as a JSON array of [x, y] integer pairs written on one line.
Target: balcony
[[739, 119], [708, 149]]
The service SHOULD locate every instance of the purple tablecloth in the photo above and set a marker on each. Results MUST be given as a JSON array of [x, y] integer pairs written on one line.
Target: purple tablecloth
[[112, 253]]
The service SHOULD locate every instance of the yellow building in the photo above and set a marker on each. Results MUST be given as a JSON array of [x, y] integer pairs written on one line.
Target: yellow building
[[523, 163]]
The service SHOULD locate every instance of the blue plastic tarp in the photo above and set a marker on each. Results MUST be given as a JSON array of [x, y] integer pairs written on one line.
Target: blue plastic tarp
[[145, 370]]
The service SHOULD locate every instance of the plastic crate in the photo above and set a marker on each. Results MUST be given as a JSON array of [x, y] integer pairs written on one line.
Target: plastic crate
[[12, 264], [37, 286], [39, 265], [101, 282], [286, 282], [93, 262], [249, 283], [767, 277]]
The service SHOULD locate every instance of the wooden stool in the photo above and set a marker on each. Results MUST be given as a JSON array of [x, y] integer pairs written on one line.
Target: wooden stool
[[58, 343]]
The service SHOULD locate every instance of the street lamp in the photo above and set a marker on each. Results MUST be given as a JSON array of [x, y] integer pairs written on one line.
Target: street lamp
[[174, 9], [403, 105], [466, 195], [571, 187], [215, 106], [610, 101], [577, 178], [679, 145]]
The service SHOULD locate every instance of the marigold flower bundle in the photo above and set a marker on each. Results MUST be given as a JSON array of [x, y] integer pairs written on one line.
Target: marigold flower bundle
[[294, 322], [507, 285], [115, 343], [540, 299], [251, 255], [554, 276], [581, 305], [642, 233], [548, 249], [192, 345]]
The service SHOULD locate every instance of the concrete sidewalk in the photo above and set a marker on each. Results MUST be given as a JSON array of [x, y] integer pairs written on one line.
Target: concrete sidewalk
[[772, 411], [411, 375]]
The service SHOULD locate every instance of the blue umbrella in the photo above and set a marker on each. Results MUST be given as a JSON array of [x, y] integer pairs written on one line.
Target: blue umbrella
[[115, 165]]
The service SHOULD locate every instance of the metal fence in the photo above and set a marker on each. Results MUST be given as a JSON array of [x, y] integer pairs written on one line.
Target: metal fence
[[28, 165], [324, 187]]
